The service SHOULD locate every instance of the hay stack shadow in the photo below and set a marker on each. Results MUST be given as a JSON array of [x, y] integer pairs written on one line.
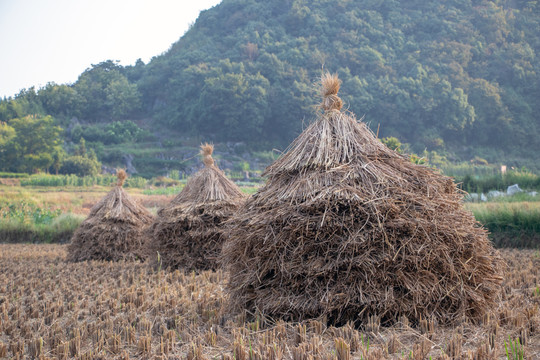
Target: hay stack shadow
[[189, 232], [113, 230], [346, 228]]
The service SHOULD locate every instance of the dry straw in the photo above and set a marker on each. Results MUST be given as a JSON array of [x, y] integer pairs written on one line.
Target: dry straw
[[113, 230], [188, 233], [346, 228]]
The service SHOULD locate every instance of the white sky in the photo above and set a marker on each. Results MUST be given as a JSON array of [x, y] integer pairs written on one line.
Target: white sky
[[56, 40]]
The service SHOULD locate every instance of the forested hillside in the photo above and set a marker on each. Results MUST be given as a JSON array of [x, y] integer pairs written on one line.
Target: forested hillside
[[459, 77]]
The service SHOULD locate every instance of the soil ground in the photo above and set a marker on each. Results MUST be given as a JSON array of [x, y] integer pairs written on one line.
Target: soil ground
[[50, 309]]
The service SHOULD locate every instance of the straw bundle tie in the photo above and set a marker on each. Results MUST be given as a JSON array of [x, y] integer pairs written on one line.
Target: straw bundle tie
[[330, 87], [206, 152], [122, 176]]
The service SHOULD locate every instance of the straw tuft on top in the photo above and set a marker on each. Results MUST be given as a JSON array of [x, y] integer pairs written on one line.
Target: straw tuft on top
[[330, 87], [206, 152], [122, 176]]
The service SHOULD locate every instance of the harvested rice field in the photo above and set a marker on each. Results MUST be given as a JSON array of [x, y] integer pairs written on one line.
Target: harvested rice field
[[50, 309]]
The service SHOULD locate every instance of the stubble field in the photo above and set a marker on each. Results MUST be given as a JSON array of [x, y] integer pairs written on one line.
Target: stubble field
[[50, 309]]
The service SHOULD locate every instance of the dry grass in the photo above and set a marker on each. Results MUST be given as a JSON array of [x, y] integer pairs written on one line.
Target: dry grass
[[77, 200], [50, 309]]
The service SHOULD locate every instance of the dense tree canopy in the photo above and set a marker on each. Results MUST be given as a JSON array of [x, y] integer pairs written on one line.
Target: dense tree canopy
[[28, 144], [461, 76]]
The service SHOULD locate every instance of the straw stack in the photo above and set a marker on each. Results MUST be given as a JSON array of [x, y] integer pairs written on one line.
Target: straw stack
[[113, 230], [189, 232], [346, 228]]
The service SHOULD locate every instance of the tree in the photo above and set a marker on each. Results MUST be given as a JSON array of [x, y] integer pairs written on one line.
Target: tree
[[493, 119], [60, 100], [107, 93], [455, 110], [58, 159], [122, 98], [36, 139], [26, 102], [7, 135], [81, 150], [232, 106], [455, 76]]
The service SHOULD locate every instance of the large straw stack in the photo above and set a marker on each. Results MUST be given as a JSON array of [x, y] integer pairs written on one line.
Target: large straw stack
[[346, 228], [189, 232], [113, 230]]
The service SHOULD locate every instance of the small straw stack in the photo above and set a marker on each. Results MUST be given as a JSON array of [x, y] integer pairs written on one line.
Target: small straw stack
[[346, 228], [189, 232], [113, 230]]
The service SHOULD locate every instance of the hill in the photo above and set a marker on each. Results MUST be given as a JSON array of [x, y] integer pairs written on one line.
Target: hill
[[458, 77]]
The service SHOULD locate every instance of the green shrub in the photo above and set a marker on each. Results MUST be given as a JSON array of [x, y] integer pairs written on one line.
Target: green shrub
[[241, 166], [114, 156], [81, 166], [163, 181], [106, 180], [392, 143], [116, 132], [149, 166], [67, 223], [236, 175], [174, 175], [8, 175], [135, 182], [266, 157]]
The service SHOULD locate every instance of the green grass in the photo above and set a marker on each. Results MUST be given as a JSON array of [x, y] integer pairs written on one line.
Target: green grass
[[58, 230], [249, 189], [464, 169], [80, 181], [475, 183], [142, 149], [511, 224], [67, 180], [8, 175], [24, 221], [267, 157], [170, 190], [514, 350], [519, 197], [27, 212], [44, 214], [523, 216], [174, 190]]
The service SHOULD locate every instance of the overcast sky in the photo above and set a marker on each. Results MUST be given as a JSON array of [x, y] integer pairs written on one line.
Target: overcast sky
[[56, 40]]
